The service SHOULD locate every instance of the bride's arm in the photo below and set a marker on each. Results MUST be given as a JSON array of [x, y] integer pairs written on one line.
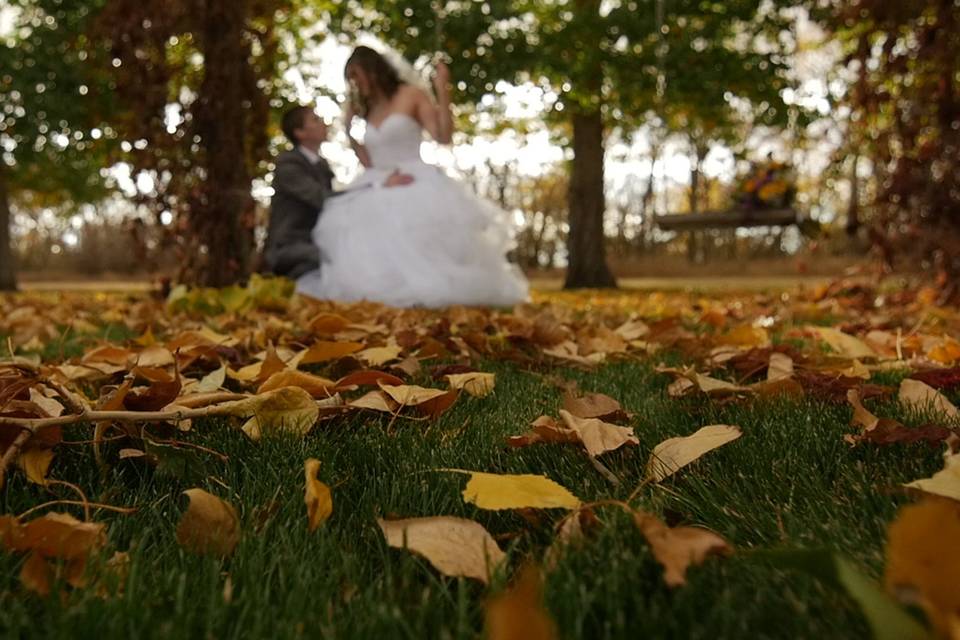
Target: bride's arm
[[357, 147], [436, 117]]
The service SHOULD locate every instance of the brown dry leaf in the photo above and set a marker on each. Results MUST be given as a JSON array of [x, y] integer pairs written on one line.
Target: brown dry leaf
[[209, 525], [919, 395], [163, 388], [314, 385], [50, 407], [673, 454], [366, 378], [435, 407], [324, 351], [375, 401], [36, 575], [597, 436], [454, 546], [476, 383], [55, 535], [592, 405], [410, 395], [328, 324], [35, 464], [109, 354], [317, 496], [745, 336], [154, 356], [923, 561], [544, 429], [379, 356], [632, 330], [780, 367], [507, 491], [946, 482], [211, 382], [283, 410], [570, 352], [518, 613], [678, 548], [861, 415], [843, 344]]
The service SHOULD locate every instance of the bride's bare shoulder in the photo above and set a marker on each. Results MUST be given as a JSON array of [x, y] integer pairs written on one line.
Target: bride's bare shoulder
[[412, 93]]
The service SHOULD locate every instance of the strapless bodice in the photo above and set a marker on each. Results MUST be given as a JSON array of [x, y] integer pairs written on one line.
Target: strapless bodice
[[396, 141]]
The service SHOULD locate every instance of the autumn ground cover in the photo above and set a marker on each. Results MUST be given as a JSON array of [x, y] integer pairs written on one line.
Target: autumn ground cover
[[787, 517]]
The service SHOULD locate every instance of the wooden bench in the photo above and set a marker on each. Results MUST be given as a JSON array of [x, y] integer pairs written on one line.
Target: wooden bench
[[733, 218]]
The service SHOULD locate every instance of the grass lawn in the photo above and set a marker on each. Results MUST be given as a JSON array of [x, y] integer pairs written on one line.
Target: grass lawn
[[789, 481]]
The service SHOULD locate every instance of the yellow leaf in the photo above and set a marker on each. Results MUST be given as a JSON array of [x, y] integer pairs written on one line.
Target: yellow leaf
[[923, 561], [376, 401], [209, 525], [318, 499], [678, 548], [314, 385], [477, 384], [506, 491], [377, 356], [946, 482], [211, 382], [921, 396], [35, 464], [323, 351], [673, 454], [410, 395], [154, 356], [844, 344], [780, 367], [283, 410], [745, 336], [518, 613], [598, 436], [454, 546]]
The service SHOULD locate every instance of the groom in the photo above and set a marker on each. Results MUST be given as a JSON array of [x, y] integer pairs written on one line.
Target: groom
[[302, 182]]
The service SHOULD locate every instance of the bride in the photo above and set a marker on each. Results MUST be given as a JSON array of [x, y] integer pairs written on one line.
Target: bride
[[430, 243]]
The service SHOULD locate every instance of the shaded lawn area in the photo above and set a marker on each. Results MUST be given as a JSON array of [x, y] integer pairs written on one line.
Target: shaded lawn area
[[790, 481]]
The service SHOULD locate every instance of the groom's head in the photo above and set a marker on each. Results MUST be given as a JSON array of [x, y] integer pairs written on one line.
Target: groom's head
[[303, 126]]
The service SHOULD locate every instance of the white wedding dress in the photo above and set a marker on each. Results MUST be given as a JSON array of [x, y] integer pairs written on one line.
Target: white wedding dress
[[431, 243]]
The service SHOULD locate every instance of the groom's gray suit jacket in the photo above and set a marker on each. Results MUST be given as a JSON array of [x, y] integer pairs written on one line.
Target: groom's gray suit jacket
[[300, 190]]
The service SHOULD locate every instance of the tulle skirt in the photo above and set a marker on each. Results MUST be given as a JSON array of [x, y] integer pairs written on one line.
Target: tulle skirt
[[431, 243]]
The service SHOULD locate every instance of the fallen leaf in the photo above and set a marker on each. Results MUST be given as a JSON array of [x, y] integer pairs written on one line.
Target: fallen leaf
[[56, 535], [673, 454], [861, 416], [454, 546], [35, 464], [780, 367], [36, 574], [843, 344], [314, 385], [323, 351], [507, 491], [317, 497], [409, 395], [518, 612], [923, 561], [597, 436], [923, 397], [283, 410], [366, 378], [379, 356], [209, 525], [679, 547], [476, 383], [946, 482], [592, 405], [375, 401], [211, 382]]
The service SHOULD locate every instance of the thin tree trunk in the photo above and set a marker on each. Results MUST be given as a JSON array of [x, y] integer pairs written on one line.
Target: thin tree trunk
[[8, 278], [586, 246], [853, 207], [648, 203], [223, 222]]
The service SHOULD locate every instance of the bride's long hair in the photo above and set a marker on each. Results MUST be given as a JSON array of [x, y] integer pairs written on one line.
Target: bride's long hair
[[378, 71]]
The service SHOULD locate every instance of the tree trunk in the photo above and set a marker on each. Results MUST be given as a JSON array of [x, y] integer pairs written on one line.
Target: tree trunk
[[223, 220], [853, 207], [586, 246], [8, 278], [648, 204]]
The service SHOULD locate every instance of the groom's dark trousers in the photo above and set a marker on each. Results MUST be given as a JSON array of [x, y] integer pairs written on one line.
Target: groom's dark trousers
[[300, 190]]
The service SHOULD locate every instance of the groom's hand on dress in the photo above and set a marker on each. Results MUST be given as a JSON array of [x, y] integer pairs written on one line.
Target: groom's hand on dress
[[397, 179]]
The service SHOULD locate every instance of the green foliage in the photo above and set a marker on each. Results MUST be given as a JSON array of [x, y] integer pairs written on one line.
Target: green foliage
[[54, 126]]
